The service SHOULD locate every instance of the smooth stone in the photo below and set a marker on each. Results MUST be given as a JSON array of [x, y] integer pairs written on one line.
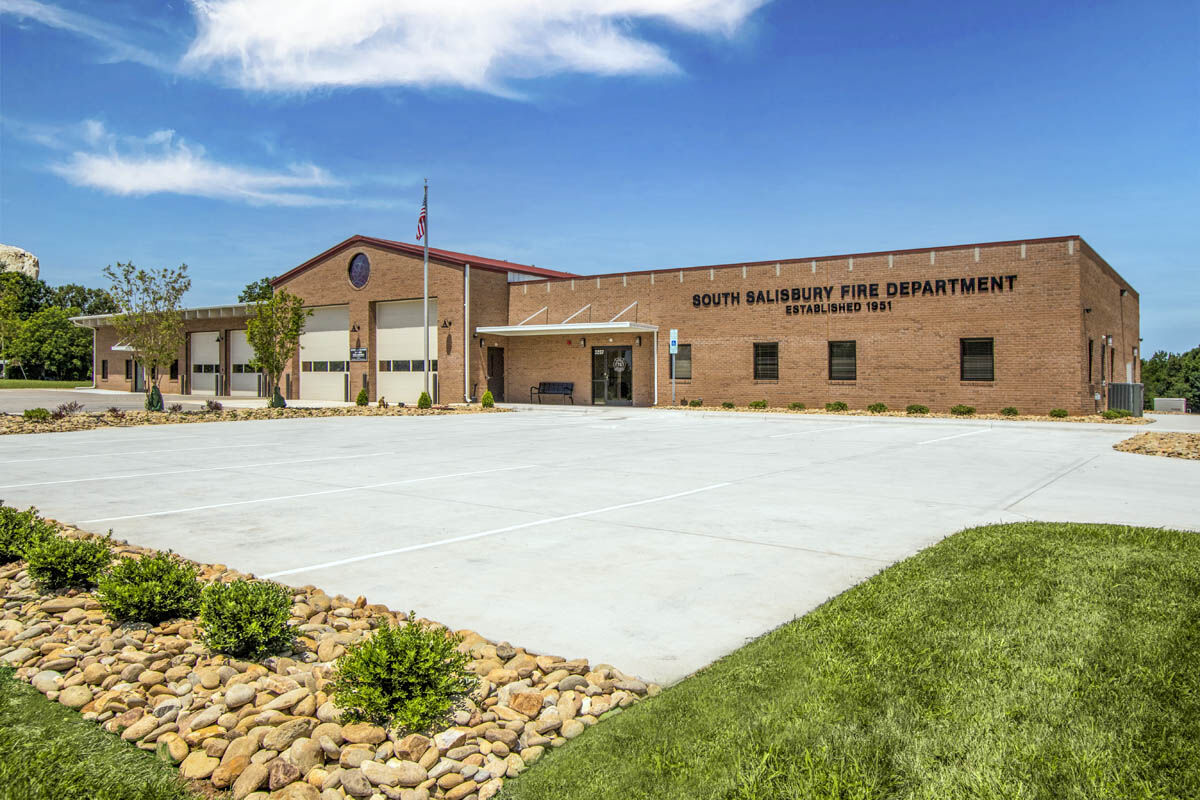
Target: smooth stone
[[75, 696], [280, 773], [198, 765], [250, 780], [356, 784], [363, 733], [239, 694]]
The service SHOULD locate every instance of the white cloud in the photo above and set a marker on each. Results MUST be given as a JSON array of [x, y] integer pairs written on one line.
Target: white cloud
[[112, 37], [163, 163], [297, 45]]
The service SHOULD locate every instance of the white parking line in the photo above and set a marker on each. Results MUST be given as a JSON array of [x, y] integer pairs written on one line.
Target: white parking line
[[306, 494], [492, 532], [197, 469], [160, 450], [955, 436], [817, 430]]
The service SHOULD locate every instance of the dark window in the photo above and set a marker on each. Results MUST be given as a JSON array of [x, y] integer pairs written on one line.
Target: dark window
[[197, 368], [320, 366], [385, 366], [1102, 373], [402, 366], [843, 361], [681, 368], [128, 369], [104, 369], [237, 369], [1112, 354], [766, 361], [1091, 357], [433, 365], [306, 366], [175, 370], [977, 359], [418, 365], [337, 366]]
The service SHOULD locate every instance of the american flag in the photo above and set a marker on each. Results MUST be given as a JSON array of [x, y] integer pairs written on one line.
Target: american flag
[[421, 223]]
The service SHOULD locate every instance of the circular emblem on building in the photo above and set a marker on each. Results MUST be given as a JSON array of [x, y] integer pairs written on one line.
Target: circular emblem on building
[[618, 364], [360, 270]]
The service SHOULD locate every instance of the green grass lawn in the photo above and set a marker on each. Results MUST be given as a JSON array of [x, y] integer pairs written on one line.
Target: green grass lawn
[[48, 752], [17, 383], [1011, 661]]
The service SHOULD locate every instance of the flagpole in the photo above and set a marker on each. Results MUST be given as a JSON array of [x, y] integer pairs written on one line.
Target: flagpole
[[425, 289]]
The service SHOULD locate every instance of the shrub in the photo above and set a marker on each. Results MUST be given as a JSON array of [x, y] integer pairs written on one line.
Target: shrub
[[917, 408], [113, 411], [487, 401], [175, 408], [67, 409], [797, 406], [1058, 413], [57, 563], [1117, 413], [18, 529], [154, 401], [1009, 411], [877, 408], [962, 411], [149, 589], [36, 415], [247, 619], [758, 404], [696, 403], [406, 676], [361, 398], [727, 404], [837, 405], [424, 401], [213, 405], [276, 400]]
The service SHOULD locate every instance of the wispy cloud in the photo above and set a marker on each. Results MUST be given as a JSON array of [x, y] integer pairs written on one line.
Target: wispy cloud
[[111, 37], [164, 163], [298, 45]]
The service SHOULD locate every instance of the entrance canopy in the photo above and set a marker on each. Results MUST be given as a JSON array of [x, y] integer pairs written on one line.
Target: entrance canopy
[[568, 329]]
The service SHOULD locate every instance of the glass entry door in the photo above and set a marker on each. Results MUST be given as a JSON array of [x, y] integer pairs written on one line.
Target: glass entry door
[[612, 376]]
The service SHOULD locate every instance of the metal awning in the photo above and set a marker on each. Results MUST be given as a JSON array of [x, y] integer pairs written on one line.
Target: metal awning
[[236, 310], [568, 329]]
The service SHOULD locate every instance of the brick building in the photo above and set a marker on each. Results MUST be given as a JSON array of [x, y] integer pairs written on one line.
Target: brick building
[[1036, 324]]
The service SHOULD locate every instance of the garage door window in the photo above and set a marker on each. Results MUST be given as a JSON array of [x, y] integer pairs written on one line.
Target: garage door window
[[339, 366]]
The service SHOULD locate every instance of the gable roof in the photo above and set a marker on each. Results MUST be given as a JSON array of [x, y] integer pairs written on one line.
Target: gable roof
[[435, 254]]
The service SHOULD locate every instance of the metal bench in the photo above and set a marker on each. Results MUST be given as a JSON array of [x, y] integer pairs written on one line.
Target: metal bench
[[563, 388]]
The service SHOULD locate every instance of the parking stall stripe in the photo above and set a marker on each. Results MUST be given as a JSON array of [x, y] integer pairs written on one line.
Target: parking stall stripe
[[305, 494], [196, 469], [955, 436], [141, 452], [493, 532]]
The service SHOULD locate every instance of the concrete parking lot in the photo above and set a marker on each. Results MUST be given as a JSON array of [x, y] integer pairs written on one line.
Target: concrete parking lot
[[654, 540]]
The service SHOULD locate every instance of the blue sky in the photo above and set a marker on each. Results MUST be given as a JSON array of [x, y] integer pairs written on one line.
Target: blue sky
[[244, 136]]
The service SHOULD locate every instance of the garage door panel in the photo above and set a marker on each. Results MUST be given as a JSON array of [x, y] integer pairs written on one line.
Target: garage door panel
[[205, 358], [244, 381], [401, 352], [324, 354]]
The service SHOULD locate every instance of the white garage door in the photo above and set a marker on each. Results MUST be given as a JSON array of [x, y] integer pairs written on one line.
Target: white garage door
[[324, 354], [401, 354], [243, 379], [206, 362]]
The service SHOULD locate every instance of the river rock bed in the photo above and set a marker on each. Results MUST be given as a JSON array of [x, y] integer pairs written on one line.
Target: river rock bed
[[267, 729], [16, 423], [1171, 445]]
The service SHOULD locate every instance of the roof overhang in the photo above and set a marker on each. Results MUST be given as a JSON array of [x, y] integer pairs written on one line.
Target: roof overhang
[[237, 310], [568, 329]]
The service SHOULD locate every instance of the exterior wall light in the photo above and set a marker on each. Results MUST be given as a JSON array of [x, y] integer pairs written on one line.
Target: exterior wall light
[[582, 342], [638, 341]]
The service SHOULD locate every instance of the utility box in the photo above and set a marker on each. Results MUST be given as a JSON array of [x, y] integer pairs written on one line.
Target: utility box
[[1170, 404], [1127, 396]]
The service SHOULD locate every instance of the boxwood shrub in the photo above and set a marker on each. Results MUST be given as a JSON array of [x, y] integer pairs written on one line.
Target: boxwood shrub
[[696, 403], [1009, 411], [758, 404], [19, 529], [149, 589], [1117, 413], [877, 408], [402, 675], [36, 415], [837, 405], [361, 398], [247, 619], [58, 563], [424, 401], [962, 411], [917, 408], [488, 400], [797, 406], [727, 404], [1058, 413]]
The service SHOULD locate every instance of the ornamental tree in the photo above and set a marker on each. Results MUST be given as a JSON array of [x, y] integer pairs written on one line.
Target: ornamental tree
[[151, 318], [256, 291], [274, 333]]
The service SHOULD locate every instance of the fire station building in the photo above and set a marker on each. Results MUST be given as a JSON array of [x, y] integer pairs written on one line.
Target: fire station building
[[1037, 324]]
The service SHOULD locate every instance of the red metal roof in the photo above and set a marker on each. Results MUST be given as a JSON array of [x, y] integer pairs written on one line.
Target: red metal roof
[[445, 256]]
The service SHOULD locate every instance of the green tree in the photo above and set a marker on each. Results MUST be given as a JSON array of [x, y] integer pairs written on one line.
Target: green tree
[[87, 301], [49, 345], [256, 292], [274, 334], [150, 319], [23, 295], [1173, 375]]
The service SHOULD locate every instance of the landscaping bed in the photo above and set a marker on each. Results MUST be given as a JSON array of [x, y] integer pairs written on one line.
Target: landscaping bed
[[268, 727], [1029, 660], [1095, 418], [1171, 445], [16, 423]]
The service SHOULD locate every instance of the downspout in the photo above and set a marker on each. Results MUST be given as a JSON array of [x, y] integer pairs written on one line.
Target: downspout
[[655, 366], [94, 359], [466, 334]]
